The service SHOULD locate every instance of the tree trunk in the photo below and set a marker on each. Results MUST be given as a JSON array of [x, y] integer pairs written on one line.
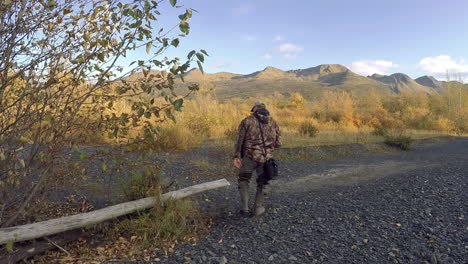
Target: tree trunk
[[54, 226]]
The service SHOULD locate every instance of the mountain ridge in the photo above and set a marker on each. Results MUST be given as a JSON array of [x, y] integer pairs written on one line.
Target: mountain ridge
[[310, 82]]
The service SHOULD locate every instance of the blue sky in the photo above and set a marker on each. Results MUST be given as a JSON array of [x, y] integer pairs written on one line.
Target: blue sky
[[417, 37]]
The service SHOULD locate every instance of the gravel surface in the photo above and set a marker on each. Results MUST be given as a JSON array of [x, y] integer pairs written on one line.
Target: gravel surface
[[398, 207], [333, 205]]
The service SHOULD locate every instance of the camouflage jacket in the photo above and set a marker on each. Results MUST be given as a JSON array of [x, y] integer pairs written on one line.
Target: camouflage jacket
[[249, 140]]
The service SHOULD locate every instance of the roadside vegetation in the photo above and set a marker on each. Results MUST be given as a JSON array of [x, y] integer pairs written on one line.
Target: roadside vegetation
[[64, 86], [334, 118]]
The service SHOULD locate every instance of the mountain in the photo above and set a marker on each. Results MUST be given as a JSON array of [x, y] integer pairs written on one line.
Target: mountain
[[269, 73], [317, 72], [430, 81], [310, 82], [400, 82], [195, 75]]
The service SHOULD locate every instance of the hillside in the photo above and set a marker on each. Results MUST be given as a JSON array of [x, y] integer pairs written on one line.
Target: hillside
[[400, 82], [430, 81], [311, 82]]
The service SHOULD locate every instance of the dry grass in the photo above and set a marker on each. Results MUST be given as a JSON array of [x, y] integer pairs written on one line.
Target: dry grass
[[205, 118]]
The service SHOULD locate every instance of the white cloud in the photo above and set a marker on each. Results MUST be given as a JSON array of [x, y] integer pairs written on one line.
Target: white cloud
[[278, 38], [289, 56], [439, 65], [366, 67], [248, 37], [288, 47], [267, 56], [288, 50], [244, 9]]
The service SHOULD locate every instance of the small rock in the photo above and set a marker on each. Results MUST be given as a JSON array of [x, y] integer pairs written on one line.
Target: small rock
[[271, 258], [293, 258], [211, 253], [365, 241], [223, 260], [391, 254]]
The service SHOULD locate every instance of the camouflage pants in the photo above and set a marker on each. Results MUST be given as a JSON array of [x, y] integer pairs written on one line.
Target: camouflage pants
[[248, 167]]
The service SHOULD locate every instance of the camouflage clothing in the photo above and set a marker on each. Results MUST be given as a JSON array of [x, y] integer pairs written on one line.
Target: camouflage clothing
[[249, 141]]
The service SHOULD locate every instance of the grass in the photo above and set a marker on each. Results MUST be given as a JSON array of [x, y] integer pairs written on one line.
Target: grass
[[293, 139], [141, 183], [172, 220], [329, 138]]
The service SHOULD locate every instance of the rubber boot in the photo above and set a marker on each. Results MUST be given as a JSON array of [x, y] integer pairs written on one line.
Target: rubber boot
[[244, 194], [259, 199]]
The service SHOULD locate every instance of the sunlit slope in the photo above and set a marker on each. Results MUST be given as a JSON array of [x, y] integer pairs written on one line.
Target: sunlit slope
[[310, 82]]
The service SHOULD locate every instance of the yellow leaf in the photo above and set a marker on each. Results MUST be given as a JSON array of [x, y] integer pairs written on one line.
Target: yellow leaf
[[148, 46]]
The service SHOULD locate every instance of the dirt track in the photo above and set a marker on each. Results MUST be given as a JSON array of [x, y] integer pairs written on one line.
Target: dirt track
[[388, 207]]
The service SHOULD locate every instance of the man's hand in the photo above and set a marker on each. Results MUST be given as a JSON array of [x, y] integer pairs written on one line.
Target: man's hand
[[237, 163]]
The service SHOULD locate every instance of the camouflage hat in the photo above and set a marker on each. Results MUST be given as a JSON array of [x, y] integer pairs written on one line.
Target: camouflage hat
[[258, 103]]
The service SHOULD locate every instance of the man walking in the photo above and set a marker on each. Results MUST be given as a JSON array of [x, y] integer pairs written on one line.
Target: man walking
[[258, 136]]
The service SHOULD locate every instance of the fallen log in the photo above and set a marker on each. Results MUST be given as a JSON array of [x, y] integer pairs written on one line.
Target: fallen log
[[58, 225], [38, 247]]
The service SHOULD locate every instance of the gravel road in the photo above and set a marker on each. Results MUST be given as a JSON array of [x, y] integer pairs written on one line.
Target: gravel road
[[387, 207]]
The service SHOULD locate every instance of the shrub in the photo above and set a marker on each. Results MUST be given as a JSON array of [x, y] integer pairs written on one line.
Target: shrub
[[168, 221], [400, 141], [394, 136], [142, 183], [308, 129], [167, 139]]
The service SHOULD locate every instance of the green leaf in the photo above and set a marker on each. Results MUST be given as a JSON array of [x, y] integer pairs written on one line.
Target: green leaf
[[178, 104], [175, 42], [173, 2], [147, 114], [187, 15], [190, 55], [148, 46], [184, 27], [51, 4], [141, 112], [9, 245], [48, 117], [83, 155], [200, 57], [204, 52], [170, 115], [200, 66], [101, 57], [104, 166]]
